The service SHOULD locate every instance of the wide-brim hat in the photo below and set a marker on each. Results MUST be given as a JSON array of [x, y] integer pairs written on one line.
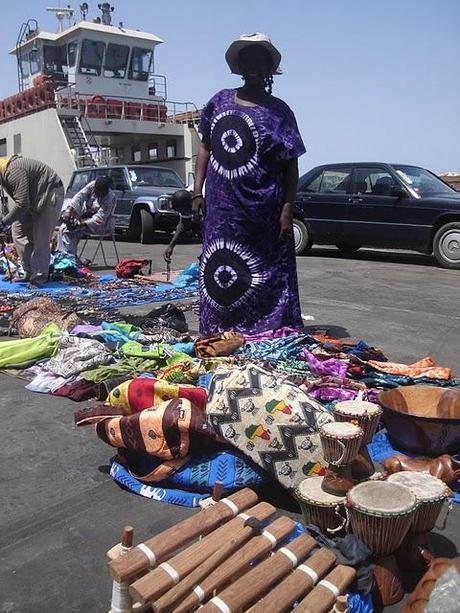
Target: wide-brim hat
[[245, 40]]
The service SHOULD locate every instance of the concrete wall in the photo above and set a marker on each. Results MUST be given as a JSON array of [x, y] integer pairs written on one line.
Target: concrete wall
[[42, 138]]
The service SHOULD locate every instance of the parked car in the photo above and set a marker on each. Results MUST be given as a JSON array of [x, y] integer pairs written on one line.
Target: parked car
[[143, 197], [378, 205]]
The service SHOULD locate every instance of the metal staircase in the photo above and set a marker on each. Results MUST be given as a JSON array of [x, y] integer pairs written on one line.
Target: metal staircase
[[76, 137]]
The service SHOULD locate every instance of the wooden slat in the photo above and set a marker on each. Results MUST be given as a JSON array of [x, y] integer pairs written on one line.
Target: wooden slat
[[296, 585], [155, 583], [321, 599], [238, 563], [163, 545], [253, 585]]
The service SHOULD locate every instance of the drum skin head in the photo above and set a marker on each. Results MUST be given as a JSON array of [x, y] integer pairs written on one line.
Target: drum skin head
[[341, 428], [357, 408], [423, 485], [382, 498], [309, 490]]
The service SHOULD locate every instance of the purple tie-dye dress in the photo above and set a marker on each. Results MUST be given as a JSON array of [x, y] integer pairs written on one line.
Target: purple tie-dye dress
[[248, 279]]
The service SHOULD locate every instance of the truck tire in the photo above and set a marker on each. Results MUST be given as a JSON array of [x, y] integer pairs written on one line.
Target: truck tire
[[446, 245], [302, 240], [147, 227]]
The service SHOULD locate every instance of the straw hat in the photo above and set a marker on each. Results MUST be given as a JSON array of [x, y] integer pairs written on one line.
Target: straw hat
[[258, 38]]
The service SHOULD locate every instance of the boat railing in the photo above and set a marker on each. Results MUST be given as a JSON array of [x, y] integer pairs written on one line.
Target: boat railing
[[155, 110]]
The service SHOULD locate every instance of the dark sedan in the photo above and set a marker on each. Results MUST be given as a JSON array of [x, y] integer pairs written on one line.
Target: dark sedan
[[378, 205]]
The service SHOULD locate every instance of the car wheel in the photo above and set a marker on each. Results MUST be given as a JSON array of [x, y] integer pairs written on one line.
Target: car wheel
[[446, 245], [347, 249], [302, 240], [147, 227]]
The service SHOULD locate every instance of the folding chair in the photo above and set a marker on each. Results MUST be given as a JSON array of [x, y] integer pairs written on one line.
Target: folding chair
[[108, 233]]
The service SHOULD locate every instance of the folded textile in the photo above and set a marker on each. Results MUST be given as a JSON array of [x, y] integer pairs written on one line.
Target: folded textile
[[77, 391], [75, 354], [200, 472], [44, 382], [271, 334], [223, 344], [276, 349], [126, 368], [142, 393], [21, 353], [30, 318], [171, 430], [427, 367], [161, 494], [332, 366], [270, 420]]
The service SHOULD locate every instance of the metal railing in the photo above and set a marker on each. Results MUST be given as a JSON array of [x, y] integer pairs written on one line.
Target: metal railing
[[132, 109]]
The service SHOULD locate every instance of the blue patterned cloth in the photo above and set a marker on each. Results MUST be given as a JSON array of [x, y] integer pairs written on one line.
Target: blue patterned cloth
[[198, 476]]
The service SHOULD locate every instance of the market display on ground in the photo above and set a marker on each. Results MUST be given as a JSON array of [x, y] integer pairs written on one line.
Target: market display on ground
[[364, 447]]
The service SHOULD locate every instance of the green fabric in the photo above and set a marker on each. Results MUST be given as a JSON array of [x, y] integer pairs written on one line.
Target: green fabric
[[24, 352], [129, 367], [126, 328]]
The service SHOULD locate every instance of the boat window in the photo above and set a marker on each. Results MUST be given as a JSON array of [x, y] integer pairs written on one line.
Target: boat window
[[92, 52], [25, 66], [171, 149], [153, 151], [139, 66], [34, 59], [72, 53], [116, 60]]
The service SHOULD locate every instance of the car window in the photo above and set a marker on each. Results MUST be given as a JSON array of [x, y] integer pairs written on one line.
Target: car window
[[154, 177], [81, 180], [119, 179], [335, 180], [423, 182], [312, 185], [374, 181]]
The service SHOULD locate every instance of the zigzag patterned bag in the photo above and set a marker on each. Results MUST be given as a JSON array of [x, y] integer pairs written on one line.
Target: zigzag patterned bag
[[270, 420]]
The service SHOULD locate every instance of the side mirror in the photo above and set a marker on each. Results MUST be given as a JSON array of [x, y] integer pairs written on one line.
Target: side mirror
[[398, 192]]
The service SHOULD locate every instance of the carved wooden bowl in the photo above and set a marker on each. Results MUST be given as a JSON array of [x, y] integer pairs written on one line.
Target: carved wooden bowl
[[422, 419]]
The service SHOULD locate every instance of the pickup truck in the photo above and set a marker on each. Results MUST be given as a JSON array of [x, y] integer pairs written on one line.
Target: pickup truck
[[143, 197]]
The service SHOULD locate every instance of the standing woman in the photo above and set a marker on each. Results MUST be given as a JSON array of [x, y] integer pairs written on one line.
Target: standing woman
[[248, 157]]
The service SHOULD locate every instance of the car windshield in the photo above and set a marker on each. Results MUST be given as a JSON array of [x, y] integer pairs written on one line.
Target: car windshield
[[423, 182], [154, 177]]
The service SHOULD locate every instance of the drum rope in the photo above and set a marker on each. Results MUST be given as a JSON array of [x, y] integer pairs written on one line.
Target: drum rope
[[340, 460], [345, 521], [449, 509]]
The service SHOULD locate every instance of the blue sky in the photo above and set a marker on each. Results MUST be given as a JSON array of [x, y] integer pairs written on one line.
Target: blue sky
[[367, 79]]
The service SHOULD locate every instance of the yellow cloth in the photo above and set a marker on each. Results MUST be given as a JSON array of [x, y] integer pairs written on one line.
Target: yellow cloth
[[4, 161]]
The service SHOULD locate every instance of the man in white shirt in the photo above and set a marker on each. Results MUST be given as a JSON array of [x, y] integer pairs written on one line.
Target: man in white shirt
[[88, 212]]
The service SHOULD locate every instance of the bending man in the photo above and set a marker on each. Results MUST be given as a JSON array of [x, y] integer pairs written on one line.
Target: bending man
[[88, 212], [37, 193]]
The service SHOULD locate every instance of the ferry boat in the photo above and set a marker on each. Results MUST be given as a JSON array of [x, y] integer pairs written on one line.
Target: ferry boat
[[89, 95]]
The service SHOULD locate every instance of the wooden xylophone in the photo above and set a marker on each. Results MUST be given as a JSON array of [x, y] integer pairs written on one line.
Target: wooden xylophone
[[233, 556]]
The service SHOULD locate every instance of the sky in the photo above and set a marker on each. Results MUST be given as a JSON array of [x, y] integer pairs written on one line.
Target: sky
[[368, 80]]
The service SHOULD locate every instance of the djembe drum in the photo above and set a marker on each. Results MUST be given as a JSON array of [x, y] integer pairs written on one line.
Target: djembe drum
[[320, 508], [367, 416], [341, 442], [381, 514], [431, 494]]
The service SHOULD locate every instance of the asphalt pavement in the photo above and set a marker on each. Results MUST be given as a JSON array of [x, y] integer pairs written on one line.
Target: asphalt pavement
[[61, 511]]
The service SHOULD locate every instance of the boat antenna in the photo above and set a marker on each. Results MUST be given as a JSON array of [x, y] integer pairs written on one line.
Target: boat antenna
[[84, 8], [61, 14], [106, 11]]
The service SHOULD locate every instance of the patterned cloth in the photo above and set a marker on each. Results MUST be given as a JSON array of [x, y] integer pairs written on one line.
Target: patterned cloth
[[142, 393], [248, 279], [270, 420], [170, 431], [427, 368], [75, 354]]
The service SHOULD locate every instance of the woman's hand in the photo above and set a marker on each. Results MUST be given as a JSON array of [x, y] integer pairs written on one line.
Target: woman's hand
[[197, 207], [286, 222]]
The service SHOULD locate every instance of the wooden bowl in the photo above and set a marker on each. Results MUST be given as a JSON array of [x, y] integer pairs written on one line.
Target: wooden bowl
[[422, 419]]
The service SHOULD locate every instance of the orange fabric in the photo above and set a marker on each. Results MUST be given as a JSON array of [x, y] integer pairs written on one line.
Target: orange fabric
[[423, 368]]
